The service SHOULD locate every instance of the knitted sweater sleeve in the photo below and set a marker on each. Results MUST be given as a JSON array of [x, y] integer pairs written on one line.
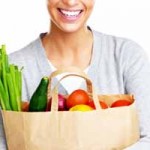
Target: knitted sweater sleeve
[[137, 81], [2, 135]]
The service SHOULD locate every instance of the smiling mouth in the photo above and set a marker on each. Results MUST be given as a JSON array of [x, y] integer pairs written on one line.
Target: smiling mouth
[[70, 13]]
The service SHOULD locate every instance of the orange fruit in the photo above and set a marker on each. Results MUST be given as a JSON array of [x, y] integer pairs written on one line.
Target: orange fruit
[[81, 107]]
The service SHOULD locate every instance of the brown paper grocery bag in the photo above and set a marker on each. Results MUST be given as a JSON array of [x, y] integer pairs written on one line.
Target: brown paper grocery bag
[[101, 129]]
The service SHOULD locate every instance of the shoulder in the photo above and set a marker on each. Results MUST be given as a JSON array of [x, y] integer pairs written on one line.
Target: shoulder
[[117, 45], [27, 53], [113, 39]]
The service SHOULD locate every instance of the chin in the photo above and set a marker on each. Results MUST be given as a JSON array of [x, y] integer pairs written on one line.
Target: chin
[[71, 28]]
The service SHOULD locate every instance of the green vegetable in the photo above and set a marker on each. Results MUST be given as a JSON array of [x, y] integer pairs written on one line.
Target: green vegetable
[[4, 98], [38, 101], [10, 83]]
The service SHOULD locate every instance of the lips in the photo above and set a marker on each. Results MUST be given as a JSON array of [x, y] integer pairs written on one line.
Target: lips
[[70, 14]]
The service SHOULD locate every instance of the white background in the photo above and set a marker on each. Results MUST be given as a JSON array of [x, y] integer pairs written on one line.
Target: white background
[[21, 21]]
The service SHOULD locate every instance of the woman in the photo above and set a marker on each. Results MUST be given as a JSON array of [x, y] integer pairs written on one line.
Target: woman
[[114, 64]]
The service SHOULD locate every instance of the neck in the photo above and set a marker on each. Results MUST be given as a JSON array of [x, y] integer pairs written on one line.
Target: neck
[[69, 47], [71, 40]]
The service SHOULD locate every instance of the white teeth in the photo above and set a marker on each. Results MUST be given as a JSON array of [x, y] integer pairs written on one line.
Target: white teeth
[[70, 13]]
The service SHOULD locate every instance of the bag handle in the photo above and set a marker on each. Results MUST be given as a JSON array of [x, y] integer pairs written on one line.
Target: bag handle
[[54, 92], [71, 69]]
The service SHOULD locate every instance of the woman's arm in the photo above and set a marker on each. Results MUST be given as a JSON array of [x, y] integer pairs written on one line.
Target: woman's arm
[[2, 135], [137, 81]]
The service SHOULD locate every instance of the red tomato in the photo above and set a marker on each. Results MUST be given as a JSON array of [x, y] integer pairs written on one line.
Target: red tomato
[[77, 97], [120, 103], [91, 103], [102, 104]]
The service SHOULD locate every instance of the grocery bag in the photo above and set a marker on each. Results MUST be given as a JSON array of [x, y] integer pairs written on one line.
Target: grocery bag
[[100, 129]]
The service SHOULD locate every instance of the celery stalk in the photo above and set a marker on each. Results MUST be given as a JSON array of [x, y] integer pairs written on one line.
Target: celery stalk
[[4, 68], [12, 93], [18, 75], [15, 82], [18, 87], [10, 83], [0, 64], [2, 94], [3, 98]]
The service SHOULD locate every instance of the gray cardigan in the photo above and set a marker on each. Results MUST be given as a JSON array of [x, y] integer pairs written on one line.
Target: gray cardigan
[[118, 65]]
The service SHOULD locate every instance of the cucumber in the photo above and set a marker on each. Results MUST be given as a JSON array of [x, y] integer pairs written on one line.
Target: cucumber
[[38, 101]]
